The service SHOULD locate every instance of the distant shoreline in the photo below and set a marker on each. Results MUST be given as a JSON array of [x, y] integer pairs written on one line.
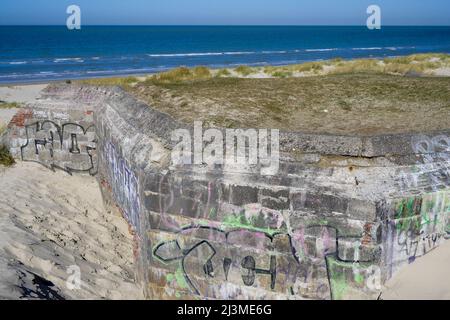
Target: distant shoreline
[[428, 64]]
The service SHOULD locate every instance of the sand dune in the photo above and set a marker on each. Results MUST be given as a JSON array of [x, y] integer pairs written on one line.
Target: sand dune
[[21, 94], [50, 221], [428, 278]]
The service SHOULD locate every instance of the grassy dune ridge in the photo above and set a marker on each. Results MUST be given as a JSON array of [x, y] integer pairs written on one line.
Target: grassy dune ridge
[[9, 105], [413, 65], [365, 96]]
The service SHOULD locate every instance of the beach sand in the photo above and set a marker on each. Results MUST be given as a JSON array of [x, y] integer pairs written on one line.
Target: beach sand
[[21, 93], [49, 222], [428, 278], [18, 94]]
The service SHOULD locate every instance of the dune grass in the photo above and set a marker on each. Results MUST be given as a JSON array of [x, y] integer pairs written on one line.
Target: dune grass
[[223, 73], [244, 70], [417, 64], [422, 64], [5, 157], [113, 81], [413, 65], [9, 105], [362, 96], [180, 74], [350, 103]]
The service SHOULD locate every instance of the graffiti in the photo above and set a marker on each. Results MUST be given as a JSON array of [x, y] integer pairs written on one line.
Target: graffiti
[[209, 257], [173, 196], [433, 166], [418, 225], [237, 242], [69, 147], [409, 243], [124, 183], [435, 154]]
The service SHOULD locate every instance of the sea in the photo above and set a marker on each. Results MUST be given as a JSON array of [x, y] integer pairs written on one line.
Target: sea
[[46, 53]]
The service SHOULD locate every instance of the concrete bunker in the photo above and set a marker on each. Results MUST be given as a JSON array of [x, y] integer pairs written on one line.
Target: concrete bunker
[[339, 218]]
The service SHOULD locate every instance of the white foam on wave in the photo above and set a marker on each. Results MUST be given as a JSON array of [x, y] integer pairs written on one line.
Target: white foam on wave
[[199, 54], [58, 60], [370, 48], [321, 50], [18, 62], [274, 52], [382, 48]]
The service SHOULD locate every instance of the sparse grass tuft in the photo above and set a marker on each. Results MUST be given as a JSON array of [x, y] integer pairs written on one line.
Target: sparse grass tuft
[[114, 81], [201, 72], [5, 157], [357, 66], [309, 67], [417, 64], [357, 103], [282, 74], [223, 73], [244, 70], [179, 75], [9, 105]]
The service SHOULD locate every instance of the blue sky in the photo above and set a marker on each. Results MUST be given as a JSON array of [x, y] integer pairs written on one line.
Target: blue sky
[[224, 12]]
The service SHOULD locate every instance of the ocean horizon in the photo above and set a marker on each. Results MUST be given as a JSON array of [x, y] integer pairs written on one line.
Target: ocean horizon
[[47, 53]]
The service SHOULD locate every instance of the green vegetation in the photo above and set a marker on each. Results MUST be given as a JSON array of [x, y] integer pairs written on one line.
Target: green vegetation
[[244, 70], [363, 96], [5, 157], [179, 75], [355, 103], [9, 105], [418, 64], [223, 73], [115, 81], [201, 72], [309, 67], [282, 74]]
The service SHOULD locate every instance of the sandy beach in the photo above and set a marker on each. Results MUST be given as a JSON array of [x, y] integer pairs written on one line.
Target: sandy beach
[[17, 94], [428, 278], [21, 93], [51, 221]]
